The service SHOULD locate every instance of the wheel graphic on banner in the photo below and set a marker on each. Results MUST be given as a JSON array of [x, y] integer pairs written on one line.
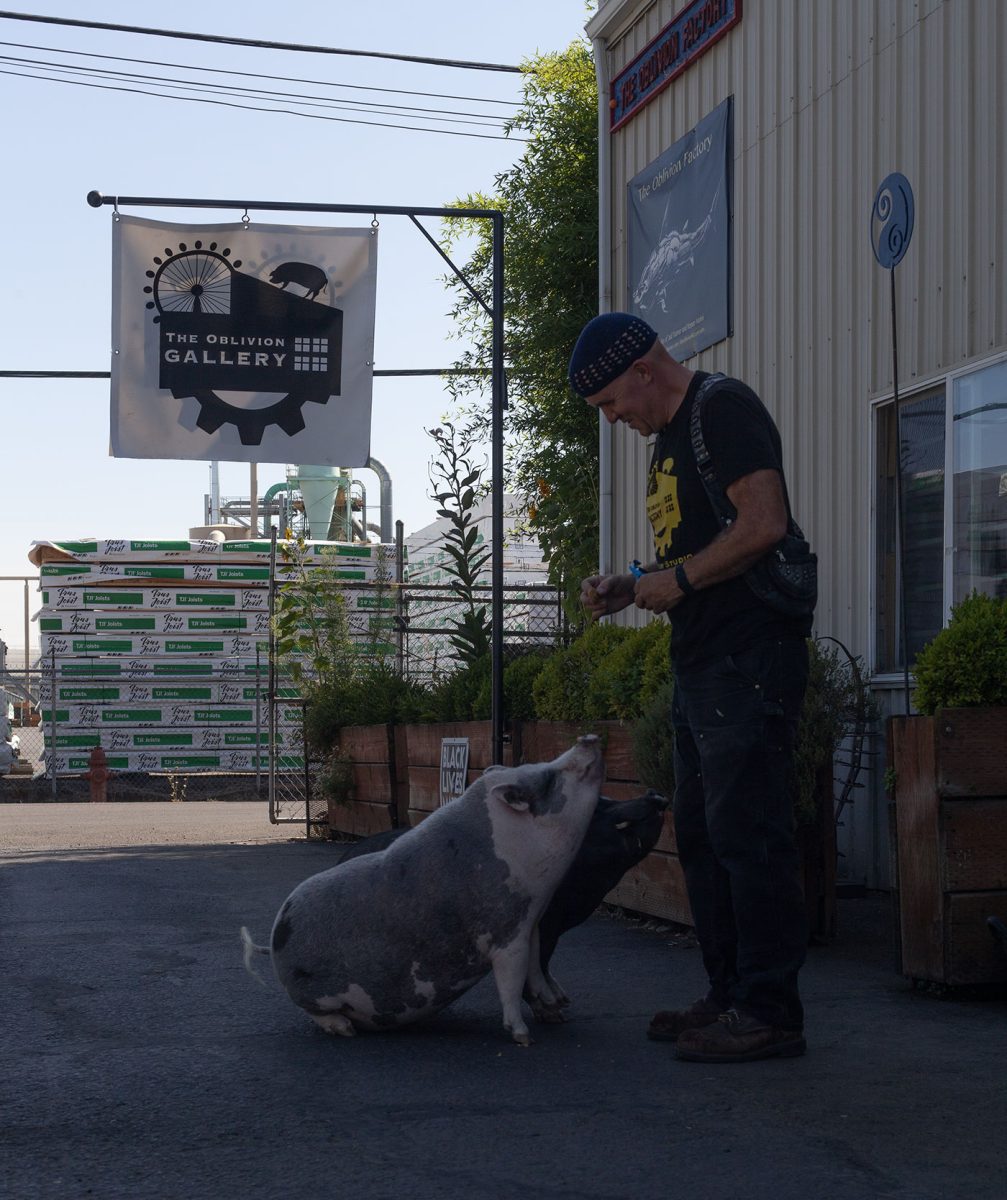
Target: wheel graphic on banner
[[192, 281]]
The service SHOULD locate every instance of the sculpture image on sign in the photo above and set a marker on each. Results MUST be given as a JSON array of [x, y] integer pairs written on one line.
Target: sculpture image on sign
[[679, 235]]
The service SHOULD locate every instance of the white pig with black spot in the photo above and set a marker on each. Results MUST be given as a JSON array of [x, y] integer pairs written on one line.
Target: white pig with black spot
[[389, 938]]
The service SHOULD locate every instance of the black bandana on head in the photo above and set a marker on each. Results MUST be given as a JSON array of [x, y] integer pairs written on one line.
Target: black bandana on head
[[606, 347]]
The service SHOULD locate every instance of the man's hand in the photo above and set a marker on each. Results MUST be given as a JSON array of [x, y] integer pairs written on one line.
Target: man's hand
[[657, 591], [605, 594]]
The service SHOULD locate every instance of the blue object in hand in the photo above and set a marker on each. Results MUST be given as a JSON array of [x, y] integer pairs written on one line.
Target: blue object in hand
[[635, 569]]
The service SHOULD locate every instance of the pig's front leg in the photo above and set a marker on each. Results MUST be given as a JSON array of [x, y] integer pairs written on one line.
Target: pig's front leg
[[510, 969], [544, 996]]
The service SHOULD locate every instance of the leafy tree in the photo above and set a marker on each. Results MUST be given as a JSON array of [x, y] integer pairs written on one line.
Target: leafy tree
[[550, 205]]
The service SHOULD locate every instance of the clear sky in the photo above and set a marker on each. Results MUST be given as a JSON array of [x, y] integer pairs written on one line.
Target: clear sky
[[62, 140]]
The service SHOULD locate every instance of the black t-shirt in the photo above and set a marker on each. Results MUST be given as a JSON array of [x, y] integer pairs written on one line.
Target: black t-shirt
[[741, 438]]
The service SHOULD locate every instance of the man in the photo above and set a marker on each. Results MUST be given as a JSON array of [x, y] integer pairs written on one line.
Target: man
[[740, 670]]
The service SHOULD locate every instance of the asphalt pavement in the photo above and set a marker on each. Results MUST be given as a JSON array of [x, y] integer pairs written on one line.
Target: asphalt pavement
[[140, 1060]]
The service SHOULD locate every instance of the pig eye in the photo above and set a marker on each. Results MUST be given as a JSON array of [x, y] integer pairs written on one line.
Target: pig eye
[[622, 825]]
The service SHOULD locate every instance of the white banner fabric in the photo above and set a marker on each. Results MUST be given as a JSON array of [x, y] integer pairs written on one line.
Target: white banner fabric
[[242, 344]]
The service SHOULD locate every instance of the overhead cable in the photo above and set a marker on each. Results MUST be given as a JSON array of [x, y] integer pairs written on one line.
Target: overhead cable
[[154, 62], [252, 93], [109, 87], [257, 43]]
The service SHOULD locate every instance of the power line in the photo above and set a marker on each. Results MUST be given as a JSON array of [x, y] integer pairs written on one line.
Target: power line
[[252, 93], [258, 108], [256, 43], [154, 62]]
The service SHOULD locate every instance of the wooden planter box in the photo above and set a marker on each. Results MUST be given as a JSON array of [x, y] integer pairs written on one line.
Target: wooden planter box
[[380, 782], [397, 783], [423, 754], [951, 842]]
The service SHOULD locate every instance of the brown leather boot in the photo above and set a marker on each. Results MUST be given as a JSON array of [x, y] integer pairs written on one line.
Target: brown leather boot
[[668, 1025], [737, 1037]]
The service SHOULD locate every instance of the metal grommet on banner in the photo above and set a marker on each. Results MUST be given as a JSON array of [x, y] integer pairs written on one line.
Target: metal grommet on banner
[[375, 224], [246, 220]]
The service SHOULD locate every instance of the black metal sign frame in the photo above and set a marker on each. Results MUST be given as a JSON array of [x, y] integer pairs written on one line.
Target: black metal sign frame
[[499, 386]]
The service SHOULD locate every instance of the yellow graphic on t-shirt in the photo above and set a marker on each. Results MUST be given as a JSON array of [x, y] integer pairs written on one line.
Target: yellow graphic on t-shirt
[[663, 511]]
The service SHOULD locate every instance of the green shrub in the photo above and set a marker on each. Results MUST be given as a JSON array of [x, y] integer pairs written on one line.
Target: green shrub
[[617, 681], [519, 684], [464, 695], [336, 777], [965, 665], [562, 690], [654, 740], [656, 670], [373, 695]]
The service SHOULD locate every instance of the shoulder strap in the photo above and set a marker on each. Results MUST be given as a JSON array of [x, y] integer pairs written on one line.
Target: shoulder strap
[[722, 507]]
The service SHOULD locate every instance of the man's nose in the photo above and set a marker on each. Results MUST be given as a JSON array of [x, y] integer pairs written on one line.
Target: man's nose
[[611, 416]]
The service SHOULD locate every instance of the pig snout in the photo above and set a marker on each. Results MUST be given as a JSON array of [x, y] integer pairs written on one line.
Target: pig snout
[[584, 760]]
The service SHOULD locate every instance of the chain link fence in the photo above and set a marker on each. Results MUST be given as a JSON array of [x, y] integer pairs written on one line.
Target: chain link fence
[[176, 716]]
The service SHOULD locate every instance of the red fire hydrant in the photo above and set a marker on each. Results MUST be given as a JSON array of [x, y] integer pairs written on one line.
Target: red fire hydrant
[[98, 773]]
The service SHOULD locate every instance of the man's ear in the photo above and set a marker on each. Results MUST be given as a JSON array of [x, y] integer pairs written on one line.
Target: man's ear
[[511, 794], [642, 370]]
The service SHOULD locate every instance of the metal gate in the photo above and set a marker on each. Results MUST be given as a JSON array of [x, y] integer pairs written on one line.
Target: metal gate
[[294, 795]]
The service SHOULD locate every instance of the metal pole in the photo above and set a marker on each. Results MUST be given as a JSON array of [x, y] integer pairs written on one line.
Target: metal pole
[[900, 532], [253, 499], [258, 722], [399, 594], [27, 660], [307, 771], [52, 726], [499, 404], [271, 688], [97, 199]]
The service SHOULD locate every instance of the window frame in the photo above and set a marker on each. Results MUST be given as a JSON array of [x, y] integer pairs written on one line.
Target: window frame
[[919, 388]]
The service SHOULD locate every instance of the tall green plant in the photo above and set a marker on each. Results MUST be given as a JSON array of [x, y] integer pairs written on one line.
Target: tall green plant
[[310, 618], [550, 204], [455, 480]]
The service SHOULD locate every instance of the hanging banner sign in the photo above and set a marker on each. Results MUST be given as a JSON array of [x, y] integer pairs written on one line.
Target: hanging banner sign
[[679, 238], [242, 344]]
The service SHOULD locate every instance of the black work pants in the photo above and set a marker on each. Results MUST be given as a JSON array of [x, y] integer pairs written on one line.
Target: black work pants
[[735, 723]]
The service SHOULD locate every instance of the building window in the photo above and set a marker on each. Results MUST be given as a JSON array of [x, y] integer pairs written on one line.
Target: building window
[[979, 514], [956, 538], [922, 419]]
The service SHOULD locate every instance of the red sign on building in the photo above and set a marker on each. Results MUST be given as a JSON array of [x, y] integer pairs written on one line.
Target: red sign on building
[[680, 43]]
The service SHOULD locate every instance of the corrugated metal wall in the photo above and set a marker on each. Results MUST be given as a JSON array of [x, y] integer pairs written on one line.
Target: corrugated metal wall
[[830, 97]]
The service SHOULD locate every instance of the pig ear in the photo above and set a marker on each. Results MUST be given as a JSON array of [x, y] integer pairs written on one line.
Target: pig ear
[[494, 767], [510, 794]]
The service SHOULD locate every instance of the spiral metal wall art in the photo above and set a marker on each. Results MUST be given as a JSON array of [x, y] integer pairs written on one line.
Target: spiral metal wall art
[[892, 220]]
